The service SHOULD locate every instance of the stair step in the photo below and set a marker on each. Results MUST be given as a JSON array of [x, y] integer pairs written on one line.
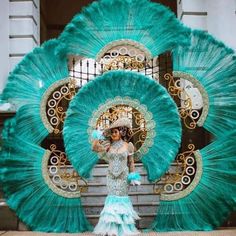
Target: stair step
[[153, 203], [140, 215], [134, 198], [105, 194], [134, 204], [3, 203]]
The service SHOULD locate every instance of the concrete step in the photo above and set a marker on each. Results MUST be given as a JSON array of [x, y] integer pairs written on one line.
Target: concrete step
[[140, 208], [220, 232], [136, 197]]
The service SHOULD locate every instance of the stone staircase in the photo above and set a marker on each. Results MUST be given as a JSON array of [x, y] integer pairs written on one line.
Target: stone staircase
[[144, 200]]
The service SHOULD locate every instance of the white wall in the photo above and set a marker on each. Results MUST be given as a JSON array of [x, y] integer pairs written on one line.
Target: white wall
[[4, 45], [221, 20], [218, 17], [193, 13], [19, 32], [20, 25]]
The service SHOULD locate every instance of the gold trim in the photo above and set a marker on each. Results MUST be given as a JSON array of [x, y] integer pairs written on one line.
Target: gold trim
[[48, 181], [192, 186], [44, 100], [123, 42], [201, 89], [173, 178], [124, 63], [134, 103]]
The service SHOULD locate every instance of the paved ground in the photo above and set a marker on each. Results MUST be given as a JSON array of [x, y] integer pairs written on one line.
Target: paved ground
[[227, 232]]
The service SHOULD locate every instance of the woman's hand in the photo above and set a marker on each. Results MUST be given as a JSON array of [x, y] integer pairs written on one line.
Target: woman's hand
[[135, 182], [134, 178], [97, 146], [97, 134]]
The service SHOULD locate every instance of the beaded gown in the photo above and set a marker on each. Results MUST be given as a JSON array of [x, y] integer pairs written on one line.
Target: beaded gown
[[118, 216]]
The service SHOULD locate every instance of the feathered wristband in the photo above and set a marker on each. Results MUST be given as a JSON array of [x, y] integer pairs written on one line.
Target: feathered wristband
[[134, 178], [97, 134]]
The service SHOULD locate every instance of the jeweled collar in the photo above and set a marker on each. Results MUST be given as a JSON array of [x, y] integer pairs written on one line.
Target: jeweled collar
[[117, 144]]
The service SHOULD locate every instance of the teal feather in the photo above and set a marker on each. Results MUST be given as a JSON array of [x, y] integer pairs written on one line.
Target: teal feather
[[150, 24], [134, 176], [214, 65], [97, 134], [35, 74], [212, 200], [136, 86], [8, 128], [28, 124], [27, 84], [29, 196]]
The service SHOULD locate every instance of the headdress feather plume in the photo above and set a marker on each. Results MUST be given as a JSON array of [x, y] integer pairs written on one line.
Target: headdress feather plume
[[213, 64], [108, 21]]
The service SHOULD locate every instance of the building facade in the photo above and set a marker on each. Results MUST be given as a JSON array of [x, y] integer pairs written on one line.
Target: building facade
[[26, 24]]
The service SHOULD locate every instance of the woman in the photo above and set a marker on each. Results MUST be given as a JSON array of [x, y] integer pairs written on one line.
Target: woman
[[118, 216]]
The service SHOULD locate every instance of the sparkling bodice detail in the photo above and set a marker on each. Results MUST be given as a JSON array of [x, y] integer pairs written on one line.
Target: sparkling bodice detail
[[117, 172], [117, 163]]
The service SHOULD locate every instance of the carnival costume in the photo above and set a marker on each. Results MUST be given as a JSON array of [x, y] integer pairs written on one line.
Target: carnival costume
[[118, 216], [122, 35]]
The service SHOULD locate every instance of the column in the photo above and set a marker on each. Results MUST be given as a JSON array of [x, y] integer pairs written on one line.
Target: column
[[221, 20], [19, 28], [218, 17], [4, 45]]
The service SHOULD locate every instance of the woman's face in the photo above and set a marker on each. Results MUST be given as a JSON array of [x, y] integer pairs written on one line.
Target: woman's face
[[115, 135]]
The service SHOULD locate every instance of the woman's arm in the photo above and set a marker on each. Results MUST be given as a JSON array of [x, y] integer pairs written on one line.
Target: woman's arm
[[130, 148], [97, 147], [131, 163], [133, 177]]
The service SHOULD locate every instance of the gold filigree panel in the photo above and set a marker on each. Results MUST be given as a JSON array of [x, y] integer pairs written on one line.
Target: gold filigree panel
[[123, 62], [55, 103], [193, 83], [180, 175], [184, 102], [142, 131], [60, 175], [185, 172], [125, 57], [124, 47]]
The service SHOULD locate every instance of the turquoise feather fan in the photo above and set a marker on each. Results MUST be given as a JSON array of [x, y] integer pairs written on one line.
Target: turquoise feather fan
[[142, 22], [209, 204], [35, 74], [214, 66], [26, 192], [28, 124], [123, 84], [27, 85]]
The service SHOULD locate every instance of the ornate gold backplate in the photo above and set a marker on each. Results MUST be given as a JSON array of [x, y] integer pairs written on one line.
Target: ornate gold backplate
[[124, 47], [143, 126], [54, 104], [185, 172], [60, 176], [117, 55], [191, 117], [182, 177]]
